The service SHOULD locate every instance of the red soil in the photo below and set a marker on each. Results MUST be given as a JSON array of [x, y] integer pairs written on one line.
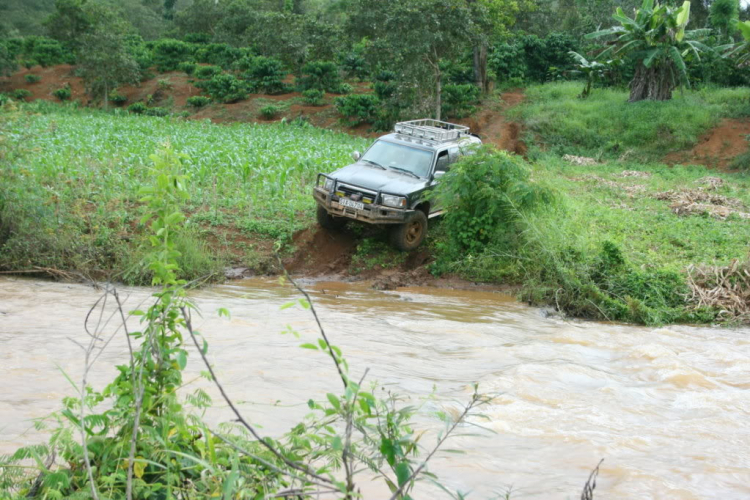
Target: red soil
[[718, 147]]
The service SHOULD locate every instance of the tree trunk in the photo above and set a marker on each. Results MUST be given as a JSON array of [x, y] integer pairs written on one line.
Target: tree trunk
[[655, 83], [438, 92], [106, 95], [480, 67]]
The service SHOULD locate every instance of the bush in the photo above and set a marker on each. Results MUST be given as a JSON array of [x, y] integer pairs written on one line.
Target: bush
[[169, 53], [321, 75], [532, 58], [219, 54], [359, 108], [313, 97], [116, 98], [4, 98], [46, 52], [206, 72], [266, 74], [224, 88], [344, 88], [198, 101], [156, 111], [137, 108], [63, 93], [188, 67], [459, 100], [32, 78], [269, 112], [20, 94], [164, 84]]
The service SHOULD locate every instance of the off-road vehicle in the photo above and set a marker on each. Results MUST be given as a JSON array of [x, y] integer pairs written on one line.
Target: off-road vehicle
[[390, 182]]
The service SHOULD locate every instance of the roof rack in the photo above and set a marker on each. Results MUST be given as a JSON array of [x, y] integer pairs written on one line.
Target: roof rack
[[431, 130]]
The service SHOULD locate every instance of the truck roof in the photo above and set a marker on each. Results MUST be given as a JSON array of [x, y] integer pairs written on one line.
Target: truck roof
[[431, 134]]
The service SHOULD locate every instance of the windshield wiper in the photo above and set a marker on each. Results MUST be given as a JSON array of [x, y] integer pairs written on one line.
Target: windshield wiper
[[406, 172], [373, 163]]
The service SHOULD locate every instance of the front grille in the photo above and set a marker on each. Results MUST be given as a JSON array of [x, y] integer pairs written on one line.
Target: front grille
[[349, 191]]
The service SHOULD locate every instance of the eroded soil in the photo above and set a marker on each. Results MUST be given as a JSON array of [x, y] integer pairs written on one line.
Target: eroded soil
[[718, 147]]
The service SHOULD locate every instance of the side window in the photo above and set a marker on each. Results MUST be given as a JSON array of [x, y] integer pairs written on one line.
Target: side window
[[454, 153], [443, 162]]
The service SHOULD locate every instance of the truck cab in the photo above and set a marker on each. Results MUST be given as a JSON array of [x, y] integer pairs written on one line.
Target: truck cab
[[390, 182]]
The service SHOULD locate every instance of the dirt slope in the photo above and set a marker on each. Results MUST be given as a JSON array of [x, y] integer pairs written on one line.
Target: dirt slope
[[718, 147]]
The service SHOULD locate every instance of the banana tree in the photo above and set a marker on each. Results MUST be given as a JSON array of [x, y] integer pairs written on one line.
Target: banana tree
[[592, 70], [741, 49], [658, 40]]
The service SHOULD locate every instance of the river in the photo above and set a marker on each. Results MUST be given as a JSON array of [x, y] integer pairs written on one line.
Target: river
[[667, 408]]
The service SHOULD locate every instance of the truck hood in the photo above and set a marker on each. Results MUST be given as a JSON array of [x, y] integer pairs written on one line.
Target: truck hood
[[388, 181]]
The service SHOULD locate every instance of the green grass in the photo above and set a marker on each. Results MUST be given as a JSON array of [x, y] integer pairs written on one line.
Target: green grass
[[70, 180], [607, 126]]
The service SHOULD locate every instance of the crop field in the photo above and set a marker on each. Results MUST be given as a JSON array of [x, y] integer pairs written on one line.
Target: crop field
[[71, 180]]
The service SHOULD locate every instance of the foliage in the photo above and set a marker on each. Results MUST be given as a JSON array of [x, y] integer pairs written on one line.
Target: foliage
[[156, 111], [531, 58], [44, 51], [169, 53], [485, 193], [32, 78], [224, 88], [63, 93], [313, 97], [137, 108], [198, 101], [592, 70], [741, 50], [206, 72], [459, 100], [266, 74], [269, 112], [724, 16], [188, 67], [657, 36], [116, 98], [105, 63], [21, 94], [359, 108], [8, 62], [320, 75]]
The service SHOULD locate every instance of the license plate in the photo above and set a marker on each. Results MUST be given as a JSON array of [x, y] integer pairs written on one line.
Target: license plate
[[352, 204]]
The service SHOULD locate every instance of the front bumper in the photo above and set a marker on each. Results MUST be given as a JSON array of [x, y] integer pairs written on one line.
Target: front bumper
[[372, 213]]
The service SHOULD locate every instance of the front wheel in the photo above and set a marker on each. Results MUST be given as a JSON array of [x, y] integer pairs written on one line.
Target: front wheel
[[328, 221], [409, 235]]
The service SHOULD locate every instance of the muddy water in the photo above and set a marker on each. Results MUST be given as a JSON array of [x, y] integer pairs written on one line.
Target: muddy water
[[667, 408]]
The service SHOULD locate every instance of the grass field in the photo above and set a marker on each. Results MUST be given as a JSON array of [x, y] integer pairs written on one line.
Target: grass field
[[606, 126], [612, 246]]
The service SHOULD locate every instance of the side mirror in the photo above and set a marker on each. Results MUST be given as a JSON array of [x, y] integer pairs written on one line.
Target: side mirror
[[356, 155], [438, 174]]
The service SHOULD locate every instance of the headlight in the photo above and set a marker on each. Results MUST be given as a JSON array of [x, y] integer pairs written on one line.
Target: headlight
[[394, 201], [328, 186]]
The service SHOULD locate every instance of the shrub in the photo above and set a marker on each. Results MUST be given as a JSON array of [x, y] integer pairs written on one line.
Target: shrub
[[220, 54], [459, 100], [137, 108], [169, 53], [28, 63], [4, 98], [47, 52], [266, 74], [63, 93], [269, 112], [198, 101], [164, 84], [313, 97], [224, 88], [188, 67], [344, 88], [532, 58], [359, 108], [117, 98], [20, 94], [206, 72], [156, 111], [321, 75], [32, 78]]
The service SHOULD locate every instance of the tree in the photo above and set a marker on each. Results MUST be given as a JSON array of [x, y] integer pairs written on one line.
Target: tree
[[7, 61], [657, 38], [105, 63], [741, 49], [414, 36], [724, 16]]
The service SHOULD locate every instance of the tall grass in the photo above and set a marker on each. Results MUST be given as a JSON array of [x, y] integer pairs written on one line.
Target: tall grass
[[605, 125]]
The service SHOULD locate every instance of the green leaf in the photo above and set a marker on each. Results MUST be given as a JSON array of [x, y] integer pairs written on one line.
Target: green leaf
[[182, 359], [223, 312], [336, 443], [309, 346], [334, 400], [402, 473]]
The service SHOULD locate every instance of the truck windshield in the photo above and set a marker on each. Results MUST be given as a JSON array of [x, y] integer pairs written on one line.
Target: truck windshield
[[389, 154]]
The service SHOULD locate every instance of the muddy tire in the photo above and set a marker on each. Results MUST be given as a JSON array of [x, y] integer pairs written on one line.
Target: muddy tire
[[328, 221], [410, 235]]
